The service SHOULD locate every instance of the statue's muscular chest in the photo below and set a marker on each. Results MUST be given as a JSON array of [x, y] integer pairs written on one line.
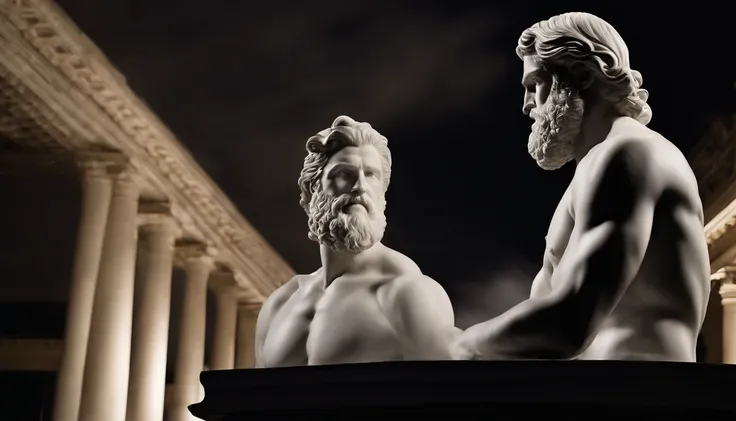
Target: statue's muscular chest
[[341, 324], [562, 225], [560, 231]]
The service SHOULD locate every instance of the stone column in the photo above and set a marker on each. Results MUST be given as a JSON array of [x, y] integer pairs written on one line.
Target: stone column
[[728, 301], [223, 346], [725, 280], [105, 388], [247, 317], [96, 194], [151, 331], [190, 351]]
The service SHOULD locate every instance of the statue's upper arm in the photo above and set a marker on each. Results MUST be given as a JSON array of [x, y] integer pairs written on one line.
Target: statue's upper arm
[[423, 312], [614, 210], [269, 309], [619, 183]]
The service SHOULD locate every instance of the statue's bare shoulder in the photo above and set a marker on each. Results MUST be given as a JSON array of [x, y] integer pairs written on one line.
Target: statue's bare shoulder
[[637, 158], [397, 264], [278, 298], [418, 307], [282, 294], [403, 275]]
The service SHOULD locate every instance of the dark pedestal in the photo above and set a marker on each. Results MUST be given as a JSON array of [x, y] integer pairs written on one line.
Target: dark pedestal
[[479, 390]]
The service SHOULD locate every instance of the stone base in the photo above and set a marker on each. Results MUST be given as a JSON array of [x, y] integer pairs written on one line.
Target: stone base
[[489, 390]]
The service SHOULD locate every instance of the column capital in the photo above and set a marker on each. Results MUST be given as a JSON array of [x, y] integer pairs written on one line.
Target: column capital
[[224, 285], [250, 307], [157, 228], [728, 293], [232, 275], [157, 221], [195, 254], [724, 275], [726, 280], [239, 278], [117, 168], [124, 173], [100, 164]]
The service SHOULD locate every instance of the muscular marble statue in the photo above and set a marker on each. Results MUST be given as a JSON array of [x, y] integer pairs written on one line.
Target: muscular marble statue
[[625, 273], [367, 302]]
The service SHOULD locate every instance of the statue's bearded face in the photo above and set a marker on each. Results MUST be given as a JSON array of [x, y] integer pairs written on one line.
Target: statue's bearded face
[[347, 212], [557, 112]]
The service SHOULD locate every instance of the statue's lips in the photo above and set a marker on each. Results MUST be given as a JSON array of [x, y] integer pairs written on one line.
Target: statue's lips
[[354, 205]]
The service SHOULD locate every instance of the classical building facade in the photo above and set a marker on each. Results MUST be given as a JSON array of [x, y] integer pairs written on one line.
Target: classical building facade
[[714, 161], [67, 107]]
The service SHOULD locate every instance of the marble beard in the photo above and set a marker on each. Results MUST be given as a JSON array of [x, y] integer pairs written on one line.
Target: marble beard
[[366, 302], [348, 232], [555, 127]]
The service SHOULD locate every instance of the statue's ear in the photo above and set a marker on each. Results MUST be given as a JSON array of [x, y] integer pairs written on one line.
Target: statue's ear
[[579, 76], [586, 81]]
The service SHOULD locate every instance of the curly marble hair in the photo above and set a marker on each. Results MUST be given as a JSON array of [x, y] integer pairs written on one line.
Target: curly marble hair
[[583, 45], [344, 132]]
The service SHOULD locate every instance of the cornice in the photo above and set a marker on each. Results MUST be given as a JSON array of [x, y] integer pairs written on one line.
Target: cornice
[[713, 160], [24, 116], [721, 224], [126, 124]]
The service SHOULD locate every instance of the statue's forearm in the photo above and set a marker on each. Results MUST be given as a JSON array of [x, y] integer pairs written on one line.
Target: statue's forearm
[[558, 325], [535, 328]]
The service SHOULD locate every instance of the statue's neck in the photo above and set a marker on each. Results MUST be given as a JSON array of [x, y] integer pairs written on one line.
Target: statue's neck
[[597, 121], [337, 263]]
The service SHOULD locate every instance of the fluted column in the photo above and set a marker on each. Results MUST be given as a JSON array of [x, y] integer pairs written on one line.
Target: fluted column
[[106, 371], [151, 331], [223, 346], [96, 193], [727, 290], [247, 316], [190, 350]]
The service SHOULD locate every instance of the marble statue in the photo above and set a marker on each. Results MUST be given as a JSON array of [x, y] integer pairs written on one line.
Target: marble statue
[[625, 272], [366, 302]]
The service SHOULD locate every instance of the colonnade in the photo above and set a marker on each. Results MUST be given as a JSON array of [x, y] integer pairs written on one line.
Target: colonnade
[[111, 369]]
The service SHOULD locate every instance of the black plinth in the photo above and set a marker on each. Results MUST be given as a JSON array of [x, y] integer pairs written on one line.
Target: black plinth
[[479, 390]]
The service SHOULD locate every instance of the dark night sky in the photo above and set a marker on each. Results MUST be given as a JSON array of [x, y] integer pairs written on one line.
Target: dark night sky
[[243, 87]]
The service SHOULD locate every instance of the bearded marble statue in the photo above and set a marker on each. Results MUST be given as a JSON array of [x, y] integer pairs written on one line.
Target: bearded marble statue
[[366, 302], [625, 273]]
